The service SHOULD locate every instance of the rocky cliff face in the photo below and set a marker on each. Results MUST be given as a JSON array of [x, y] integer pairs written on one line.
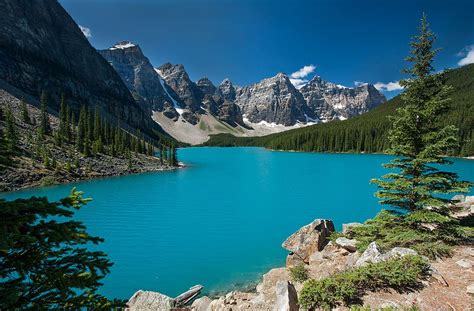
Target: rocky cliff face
[[273, 100], [141, 78], [43, 49], [220, 101], [329, 101], [177, 78]]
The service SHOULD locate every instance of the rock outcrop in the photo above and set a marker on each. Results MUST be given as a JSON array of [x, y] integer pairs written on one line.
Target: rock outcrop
[[309, 239], [286, 297], [43, 50], [329, 101], [147, 300], [346, 243]]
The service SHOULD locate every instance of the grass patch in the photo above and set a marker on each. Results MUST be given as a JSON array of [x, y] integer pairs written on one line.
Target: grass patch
[[402, 274], [430, 233], [298, 273]]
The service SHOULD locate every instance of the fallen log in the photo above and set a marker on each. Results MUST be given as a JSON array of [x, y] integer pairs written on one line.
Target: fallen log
[[188, 295]]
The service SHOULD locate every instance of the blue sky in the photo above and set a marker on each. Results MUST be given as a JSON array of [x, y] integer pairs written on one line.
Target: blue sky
[[246, 41]]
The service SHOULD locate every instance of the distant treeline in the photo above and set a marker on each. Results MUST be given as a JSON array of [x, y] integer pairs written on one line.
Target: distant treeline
[[368, 132]]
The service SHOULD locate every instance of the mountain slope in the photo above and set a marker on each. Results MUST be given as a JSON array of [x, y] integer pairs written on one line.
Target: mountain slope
[[141, 78], [368, 132], [43, 49]]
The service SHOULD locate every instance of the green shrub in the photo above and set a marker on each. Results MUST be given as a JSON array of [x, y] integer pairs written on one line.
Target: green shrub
[[47, 181], [390, 229], [401, 274], [298, 273]]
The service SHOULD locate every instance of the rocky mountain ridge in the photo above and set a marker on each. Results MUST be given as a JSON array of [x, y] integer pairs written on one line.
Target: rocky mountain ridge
[[42, 49], [330, 101], [274, 103]]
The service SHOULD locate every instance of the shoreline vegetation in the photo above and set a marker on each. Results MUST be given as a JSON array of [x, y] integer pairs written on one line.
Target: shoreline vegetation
[[40, 149]]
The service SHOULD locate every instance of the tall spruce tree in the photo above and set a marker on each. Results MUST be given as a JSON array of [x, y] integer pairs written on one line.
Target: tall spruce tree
[[62, 121], [24, 112], [11, 133], [45, 127], [415, 137]]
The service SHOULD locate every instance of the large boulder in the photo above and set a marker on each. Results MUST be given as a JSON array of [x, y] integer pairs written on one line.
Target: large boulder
[[309, 239], [201, 304], [346, 243], [286, 297], [147, 300]]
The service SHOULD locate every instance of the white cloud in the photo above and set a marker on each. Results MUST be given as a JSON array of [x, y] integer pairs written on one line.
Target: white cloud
[[303, 72], [468, 53], [86, 31], [359, 83], [298, 83], [297, 77], [391, 86]]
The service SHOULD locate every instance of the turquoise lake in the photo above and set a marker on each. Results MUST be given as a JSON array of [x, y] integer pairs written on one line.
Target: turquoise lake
[[220, 221]]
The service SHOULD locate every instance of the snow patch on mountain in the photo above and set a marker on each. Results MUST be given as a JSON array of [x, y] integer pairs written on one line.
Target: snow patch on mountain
[[122, 46]]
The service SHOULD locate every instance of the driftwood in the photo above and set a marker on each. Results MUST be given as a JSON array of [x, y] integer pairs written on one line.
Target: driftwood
[[188, 295]]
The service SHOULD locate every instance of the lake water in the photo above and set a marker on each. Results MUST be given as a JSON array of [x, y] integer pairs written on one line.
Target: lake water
[[220, 222]]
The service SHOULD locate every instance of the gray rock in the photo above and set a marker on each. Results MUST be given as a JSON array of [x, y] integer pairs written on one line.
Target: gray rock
[[201, 304], [148, 300], [346, 227], [346, 243], [309, 239], [286, 297], [373, 255], [459, 197], [464, 263], [370, 255], [470, 289]]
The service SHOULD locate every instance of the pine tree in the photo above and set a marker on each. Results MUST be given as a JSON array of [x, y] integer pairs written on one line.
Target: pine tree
[[417, 141], [4, 154], [45, 258], [45, 127], [11, 134], [24, 112], [62, 122], [97, 125], [46, 161], [81, 130]]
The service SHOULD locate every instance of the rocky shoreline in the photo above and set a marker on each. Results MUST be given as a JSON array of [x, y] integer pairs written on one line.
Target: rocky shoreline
[[450, 285]]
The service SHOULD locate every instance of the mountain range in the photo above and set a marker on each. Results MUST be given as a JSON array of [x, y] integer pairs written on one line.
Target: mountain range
[[274, 103], [43, 51]]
